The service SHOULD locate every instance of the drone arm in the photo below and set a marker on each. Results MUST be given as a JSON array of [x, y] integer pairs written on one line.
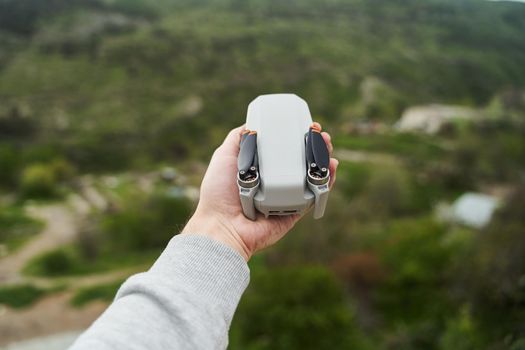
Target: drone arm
[[318, 175], [321, 198], [247, 204]]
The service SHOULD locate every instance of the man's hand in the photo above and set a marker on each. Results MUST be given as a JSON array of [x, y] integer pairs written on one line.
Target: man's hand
[[219, 214]]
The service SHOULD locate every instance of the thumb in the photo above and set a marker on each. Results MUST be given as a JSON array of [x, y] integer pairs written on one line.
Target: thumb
[[230, 145]]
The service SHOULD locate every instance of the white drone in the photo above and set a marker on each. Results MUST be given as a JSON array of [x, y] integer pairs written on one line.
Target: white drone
[[283, 161]]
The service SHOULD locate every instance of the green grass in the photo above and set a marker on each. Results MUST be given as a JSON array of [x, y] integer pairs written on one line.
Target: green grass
[[105, 292], [413, 146], [68, 261], [353, 176], [19, 296], [16, 227]]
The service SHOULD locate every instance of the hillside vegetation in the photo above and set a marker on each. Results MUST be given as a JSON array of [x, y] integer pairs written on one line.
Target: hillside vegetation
[[108, 82]]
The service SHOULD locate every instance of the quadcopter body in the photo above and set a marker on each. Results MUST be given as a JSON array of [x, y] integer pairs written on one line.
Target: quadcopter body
[[283, 164]]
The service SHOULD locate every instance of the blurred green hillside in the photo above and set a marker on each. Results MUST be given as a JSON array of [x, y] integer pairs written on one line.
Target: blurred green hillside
[[110, 109], [109, 83]]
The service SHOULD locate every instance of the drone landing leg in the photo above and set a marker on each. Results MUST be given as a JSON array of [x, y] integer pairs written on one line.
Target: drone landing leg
[[246, 195], [321, 198]]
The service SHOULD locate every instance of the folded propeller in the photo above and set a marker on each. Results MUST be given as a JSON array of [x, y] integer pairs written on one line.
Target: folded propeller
[[247, 162], [317, 156]]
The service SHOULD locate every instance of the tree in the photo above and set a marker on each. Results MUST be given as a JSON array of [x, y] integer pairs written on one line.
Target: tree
[[145, 223], [493, 279], [295, 308], [39, 181]]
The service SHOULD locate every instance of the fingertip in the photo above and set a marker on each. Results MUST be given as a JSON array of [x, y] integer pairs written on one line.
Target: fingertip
[[326, 136], [328, 140], [334, 163]]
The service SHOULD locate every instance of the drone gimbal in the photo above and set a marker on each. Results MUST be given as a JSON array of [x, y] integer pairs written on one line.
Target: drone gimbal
[[283, 163]]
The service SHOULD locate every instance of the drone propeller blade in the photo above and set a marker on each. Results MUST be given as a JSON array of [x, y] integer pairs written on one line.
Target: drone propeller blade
[[247, 152], [309, 149], [256, 160], [244, 135], [319, 149]]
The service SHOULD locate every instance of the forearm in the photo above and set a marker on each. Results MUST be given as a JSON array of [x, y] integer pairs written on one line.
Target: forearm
[[185, 301]]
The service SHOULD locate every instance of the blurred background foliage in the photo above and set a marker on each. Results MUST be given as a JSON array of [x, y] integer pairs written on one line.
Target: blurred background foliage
[[116, 106]]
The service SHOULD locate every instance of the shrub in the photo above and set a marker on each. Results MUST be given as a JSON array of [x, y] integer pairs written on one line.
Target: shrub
[[353, 177], [19, 296], [146, 223], [70, 261], [62, 169], [105, 292], [9, 166], [360, 271], [294, 308], [89, 240], [388, 193], [55, 263], [493, 277], [461, 333], [16, 227], [419, 269], [38, 181]]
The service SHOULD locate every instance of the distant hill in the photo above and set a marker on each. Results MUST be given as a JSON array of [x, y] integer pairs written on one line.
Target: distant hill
[[136, 74]]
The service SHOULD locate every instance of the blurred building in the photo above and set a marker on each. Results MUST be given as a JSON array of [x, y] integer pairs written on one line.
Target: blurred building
[[470, 209], [431, 118]]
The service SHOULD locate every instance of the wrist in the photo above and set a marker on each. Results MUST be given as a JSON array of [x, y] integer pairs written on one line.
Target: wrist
[[217, 228]]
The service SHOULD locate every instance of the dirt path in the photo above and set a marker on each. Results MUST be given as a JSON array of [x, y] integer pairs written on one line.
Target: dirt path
[[50, 315], [60, 229], [53, 317], [76, 282], [53, 314]]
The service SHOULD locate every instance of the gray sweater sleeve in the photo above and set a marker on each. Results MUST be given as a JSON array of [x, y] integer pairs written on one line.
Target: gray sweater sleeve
[[185, 301]]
